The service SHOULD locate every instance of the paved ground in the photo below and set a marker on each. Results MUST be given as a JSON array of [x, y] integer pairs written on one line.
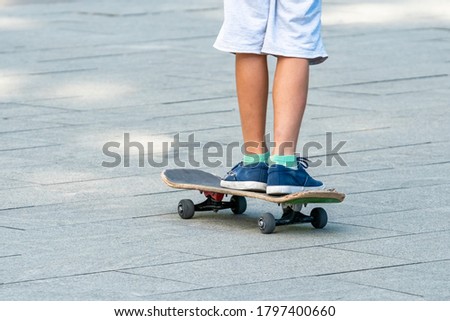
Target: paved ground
[[75, 75]]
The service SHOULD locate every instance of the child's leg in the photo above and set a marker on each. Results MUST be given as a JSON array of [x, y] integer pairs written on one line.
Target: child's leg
[[252, 83], [290, 91]]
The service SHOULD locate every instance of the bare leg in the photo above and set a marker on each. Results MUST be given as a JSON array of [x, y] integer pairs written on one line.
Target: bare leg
[[290, 91], [252, 82]]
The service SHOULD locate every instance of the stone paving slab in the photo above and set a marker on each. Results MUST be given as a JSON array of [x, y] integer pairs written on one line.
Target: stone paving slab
[[430, 246], [418, 280], [403, 220], [294, 289], [98, 286], [266, 266], [75, 75]]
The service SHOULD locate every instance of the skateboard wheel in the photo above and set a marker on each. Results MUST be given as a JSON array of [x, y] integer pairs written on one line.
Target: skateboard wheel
[[186, 209], [267, 223], [239, 204], [319, 217]]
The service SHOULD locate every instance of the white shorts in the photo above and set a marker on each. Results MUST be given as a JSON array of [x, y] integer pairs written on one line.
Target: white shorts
[[290, 28]]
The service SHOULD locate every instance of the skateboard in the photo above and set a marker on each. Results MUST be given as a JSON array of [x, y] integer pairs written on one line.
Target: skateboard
[[209, 185]]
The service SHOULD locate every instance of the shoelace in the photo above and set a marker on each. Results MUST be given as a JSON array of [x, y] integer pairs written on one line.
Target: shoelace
[[303, 161], [231, 171]]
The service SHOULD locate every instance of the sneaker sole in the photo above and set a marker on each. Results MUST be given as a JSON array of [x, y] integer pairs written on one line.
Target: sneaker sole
[[245, 186], [289, 189]]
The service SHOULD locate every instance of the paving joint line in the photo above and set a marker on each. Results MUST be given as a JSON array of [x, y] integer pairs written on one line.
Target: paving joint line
[[382, 288], [12, 228], [357, 172], [385, 81], [399, 188], [197, 100], [154, 277], [262, 282], [378, 268], [8, 256]]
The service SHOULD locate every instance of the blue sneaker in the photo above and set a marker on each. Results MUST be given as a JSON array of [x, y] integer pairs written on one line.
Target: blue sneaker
[[285, 180], [247, 177]]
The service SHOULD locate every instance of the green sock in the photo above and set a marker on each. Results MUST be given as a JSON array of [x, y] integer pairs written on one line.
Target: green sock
[[285, 160], [250, 159]]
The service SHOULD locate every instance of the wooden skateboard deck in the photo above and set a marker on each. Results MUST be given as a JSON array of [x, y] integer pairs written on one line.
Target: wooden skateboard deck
[[203, 181], [209, 185]]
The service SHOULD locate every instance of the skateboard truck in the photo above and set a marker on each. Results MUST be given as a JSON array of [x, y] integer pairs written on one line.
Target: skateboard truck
[[292, 215], [214, 202]]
